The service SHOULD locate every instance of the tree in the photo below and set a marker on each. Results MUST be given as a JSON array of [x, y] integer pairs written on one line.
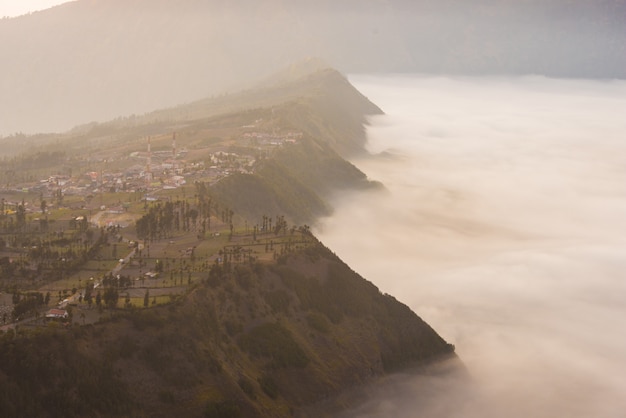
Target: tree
[[193, 213], [20, 214], [88, 297], [158, 266], [110, 297], [59, 196]]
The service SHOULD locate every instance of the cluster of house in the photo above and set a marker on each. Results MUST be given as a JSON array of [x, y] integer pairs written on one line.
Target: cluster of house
[[272, 139], [155, 170], [56, 315]]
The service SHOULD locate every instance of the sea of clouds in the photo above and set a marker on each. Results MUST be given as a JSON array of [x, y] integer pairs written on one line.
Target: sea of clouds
[[504, 227]]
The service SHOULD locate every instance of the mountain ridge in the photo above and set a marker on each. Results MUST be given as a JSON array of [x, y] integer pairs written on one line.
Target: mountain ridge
[[95, 60], [270, 321]]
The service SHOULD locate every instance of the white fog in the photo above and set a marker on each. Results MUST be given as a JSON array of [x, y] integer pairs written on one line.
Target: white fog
[[504, 227]]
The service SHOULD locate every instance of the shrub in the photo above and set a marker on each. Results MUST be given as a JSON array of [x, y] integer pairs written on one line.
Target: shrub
[[166, 396], [269, 386], [232, 327], [278, 300], [223, 409], [276, 343], [318, 322], [247, 386], [147, 318]]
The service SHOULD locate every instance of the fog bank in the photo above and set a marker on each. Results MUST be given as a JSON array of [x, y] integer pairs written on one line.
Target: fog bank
[[504, 227]]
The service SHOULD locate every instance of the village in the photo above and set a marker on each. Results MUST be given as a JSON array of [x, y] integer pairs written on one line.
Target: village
[[145, 173], [61, 214]]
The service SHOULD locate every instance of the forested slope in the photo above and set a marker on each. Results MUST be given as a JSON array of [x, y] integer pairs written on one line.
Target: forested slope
[[253, 339]]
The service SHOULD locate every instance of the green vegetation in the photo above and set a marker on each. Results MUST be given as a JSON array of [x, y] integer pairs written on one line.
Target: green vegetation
[[275, 342], [318, 322], [62, 379], [270, 318], [224, 409]]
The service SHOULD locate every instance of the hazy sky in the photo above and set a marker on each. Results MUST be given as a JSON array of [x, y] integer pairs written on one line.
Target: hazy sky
[[14, 8], [502, 227], [99, 60]]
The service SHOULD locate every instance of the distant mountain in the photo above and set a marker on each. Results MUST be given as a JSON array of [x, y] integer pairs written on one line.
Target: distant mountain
[[98, 59]]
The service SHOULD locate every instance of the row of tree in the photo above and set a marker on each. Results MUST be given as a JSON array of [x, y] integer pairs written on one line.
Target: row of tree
[[28, 302]]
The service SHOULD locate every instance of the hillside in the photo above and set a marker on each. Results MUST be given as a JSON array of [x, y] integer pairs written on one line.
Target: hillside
[[93, 60], [175, 251], [253, 339], [290, 137]]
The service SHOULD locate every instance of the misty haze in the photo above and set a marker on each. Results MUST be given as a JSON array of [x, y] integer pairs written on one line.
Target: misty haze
[[202, 215], [503, 227], [100, 59]]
